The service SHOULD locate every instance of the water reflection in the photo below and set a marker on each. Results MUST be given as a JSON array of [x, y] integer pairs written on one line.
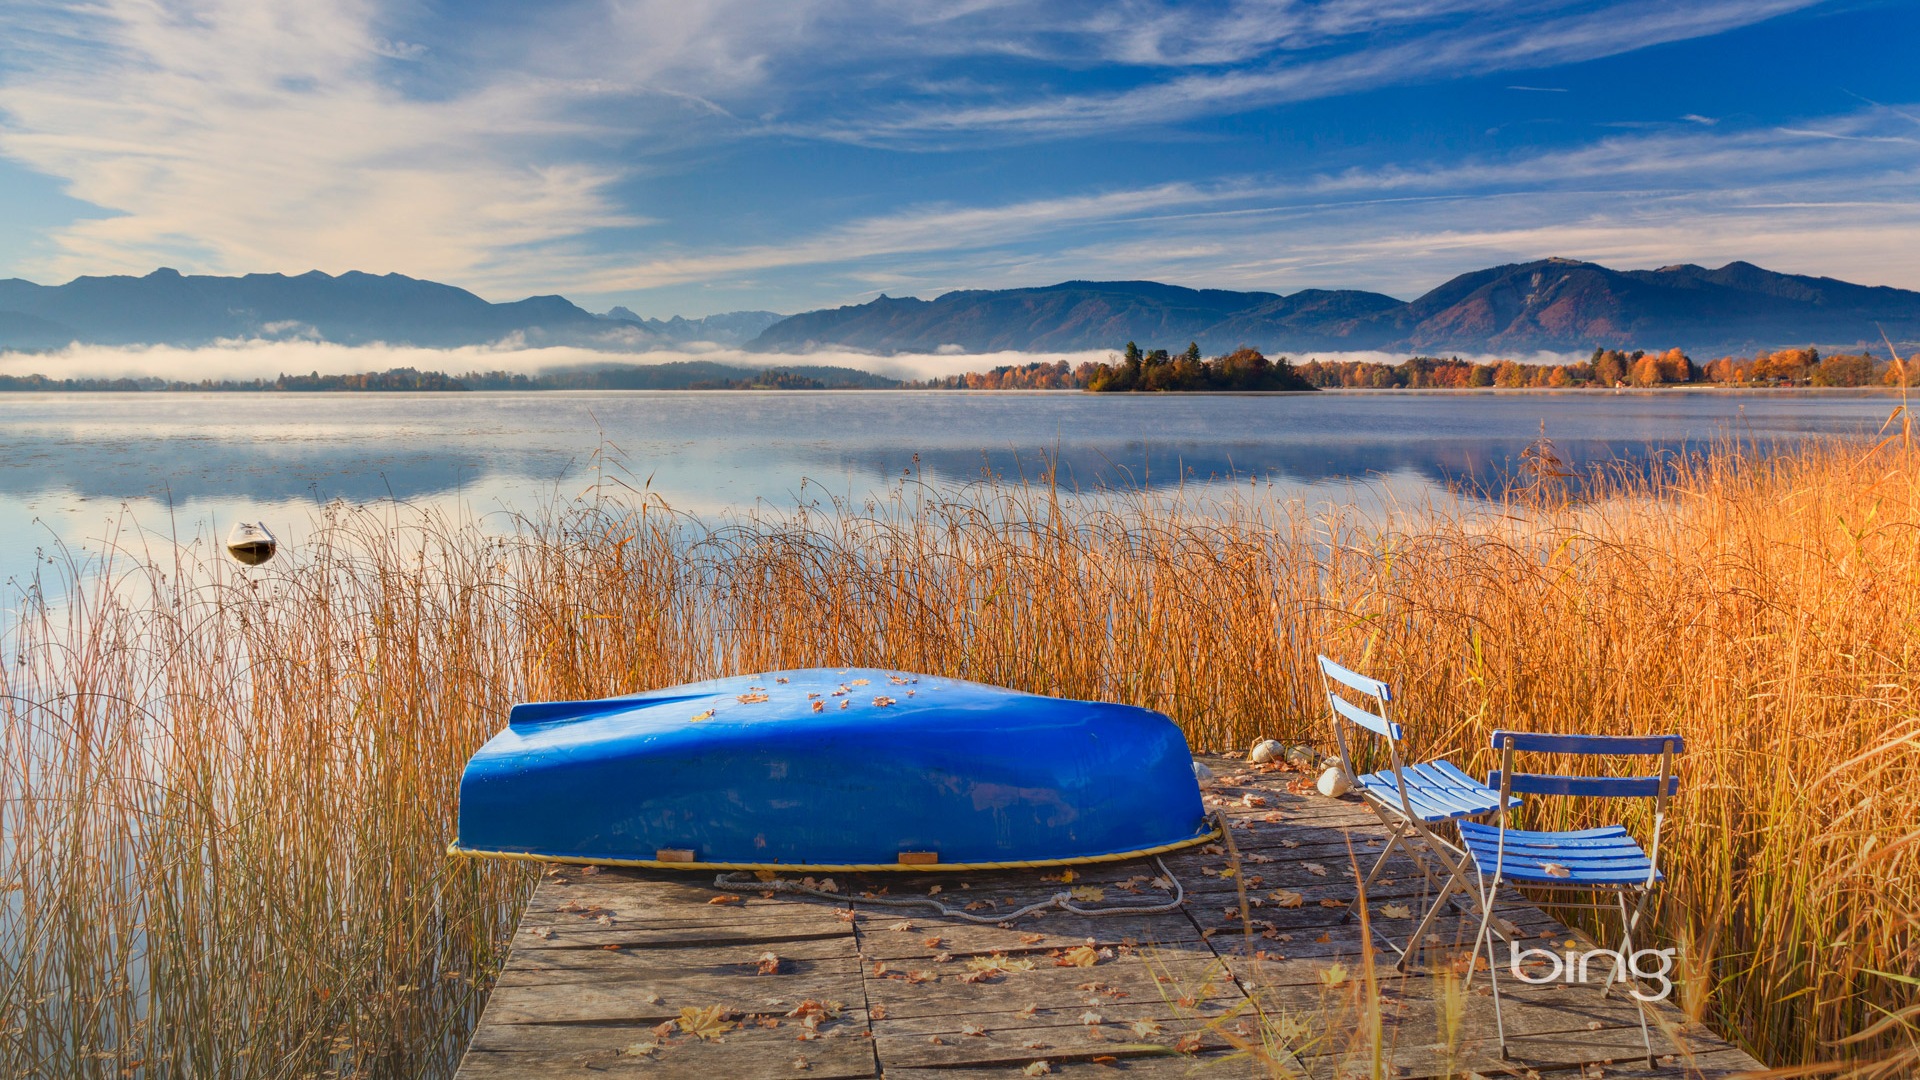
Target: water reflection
[[192, 464]]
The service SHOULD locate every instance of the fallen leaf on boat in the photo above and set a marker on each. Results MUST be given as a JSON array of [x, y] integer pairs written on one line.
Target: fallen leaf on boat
[[808, 1035], [973, 1029], [1091, 1017], [1395, 911], [697, 717], [665, 1029], [1038, 1068], [883, 701], [1032, 939], [1087, 892], [1028, 1011], [1163, 884], [1314, 868], [1144, 1028], [1252, 802], [650, 998], [640, 1049], [844, 704], [769, 963], [1335, 974], [1329, 902], [819, 706], [1554, 869], [801, 1063], [751, 699], [847, 916], [903, 926], [1189, 1043], [780, 679], [932, 942], [1063, 876], [1079, 956], [709, 1022], [858, 682], [1287, 898], [878, 1012], [943, 958], [1290, 843], [936, 1040], [541, 932], [915, 978], [589, 871], [724, 899]]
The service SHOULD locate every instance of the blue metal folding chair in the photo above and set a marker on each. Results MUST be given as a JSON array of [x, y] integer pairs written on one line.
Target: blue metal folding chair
[[1590, 862], [1410, 800]]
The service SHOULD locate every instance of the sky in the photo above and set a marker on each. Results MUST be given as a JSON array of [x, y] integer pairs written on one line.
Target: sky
[[691, 158]]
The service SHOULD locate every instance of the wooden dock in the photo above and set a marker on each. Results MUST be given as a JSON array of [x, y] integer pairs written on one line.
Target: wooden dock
[[611, 968]]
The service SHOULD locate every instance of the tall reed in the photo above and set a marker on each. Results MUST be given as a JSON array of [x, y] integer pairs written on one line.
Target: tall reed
[[225, 794]]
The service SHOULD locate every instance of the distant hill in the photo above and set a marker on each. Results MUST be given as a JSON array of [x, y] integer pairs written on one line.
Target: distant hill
[[731, 328], [1552, 304], [170, 308]]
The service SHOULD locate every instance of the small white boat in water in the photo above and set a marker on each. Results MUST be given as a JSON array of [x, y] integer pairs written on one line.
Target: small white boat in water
[[251, 543]]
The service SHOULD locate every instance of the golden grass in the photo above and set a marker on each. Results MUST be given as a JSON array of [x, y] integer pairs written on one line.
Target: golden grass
[[225, 793]]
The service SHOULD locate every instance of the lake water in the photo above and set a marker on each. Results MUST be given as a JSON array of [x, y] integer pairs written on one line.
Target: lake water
[[71, 465]]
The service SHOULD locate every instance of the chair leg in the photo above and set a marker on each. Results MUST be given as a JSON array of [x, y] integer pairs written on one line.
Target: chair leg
[[1396, 834], [1493, 973], [1455, 883], [1627, 922]]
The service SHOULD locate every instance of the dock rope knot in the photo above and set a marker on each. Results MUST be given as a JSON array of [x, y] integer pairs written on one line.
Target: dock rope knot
[[741, 881]]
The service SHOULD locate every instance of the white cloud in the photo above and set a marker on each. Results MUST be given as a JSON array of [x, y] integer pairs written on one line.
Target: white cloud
[[1425, 43], [254, 135], [1838, 199]]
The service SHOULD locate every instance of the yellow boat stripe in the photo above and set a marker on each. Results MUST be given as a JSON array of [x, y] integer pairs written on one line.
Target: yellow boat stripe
[[841, 868]]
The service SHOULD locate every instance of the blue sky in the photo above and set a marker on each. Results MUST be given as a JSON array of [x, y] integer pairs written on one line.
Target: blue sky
[[692, 158]]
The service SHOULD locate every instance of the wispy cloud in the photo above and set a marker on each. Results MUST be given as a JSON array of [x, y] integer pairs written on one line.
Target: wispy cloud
[[1419, 45], [1635, 200], [266, 134]]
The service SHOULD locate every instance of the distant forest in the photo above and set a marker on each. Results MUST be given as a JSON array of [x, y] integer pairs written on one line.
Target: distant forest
[[1605, 368]]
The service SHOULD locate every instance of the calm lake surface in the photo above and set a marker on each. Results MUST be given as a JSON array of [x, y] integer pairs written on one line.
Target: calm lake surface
[[186, 465]]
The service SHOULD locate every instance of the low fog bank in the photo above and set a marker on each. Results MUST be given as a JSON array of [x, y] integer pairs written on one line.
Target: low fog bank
[[263, 359]]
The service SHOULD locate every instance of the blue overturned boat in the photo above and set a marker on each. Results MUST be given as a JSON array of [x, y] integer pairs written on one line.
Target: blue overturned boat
[[831, 769]]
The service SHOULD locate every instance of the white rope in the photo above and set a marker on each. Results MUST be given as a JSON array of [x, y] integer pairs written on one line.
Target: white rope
[[735, 882]]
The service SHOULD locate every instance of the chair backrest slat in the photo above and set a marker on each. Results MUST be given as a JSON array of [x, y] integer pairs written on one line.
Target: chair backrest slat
[[1353, 680], [1615, 787], [1376, 724], [1589, 744]]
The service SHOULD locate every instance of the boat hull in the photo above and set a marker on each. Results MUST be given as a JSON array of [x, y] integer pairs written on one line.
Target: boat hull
[[831, 769]]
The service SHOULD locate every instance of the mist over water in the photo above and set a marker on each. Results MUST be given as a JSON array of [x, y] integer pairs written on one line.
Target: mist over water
[[267, 359]]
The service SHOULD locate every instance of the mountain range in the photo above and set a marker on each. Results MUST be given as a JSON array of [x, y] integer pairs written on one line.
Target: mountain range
[[1547, 305], [1552, 304]]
